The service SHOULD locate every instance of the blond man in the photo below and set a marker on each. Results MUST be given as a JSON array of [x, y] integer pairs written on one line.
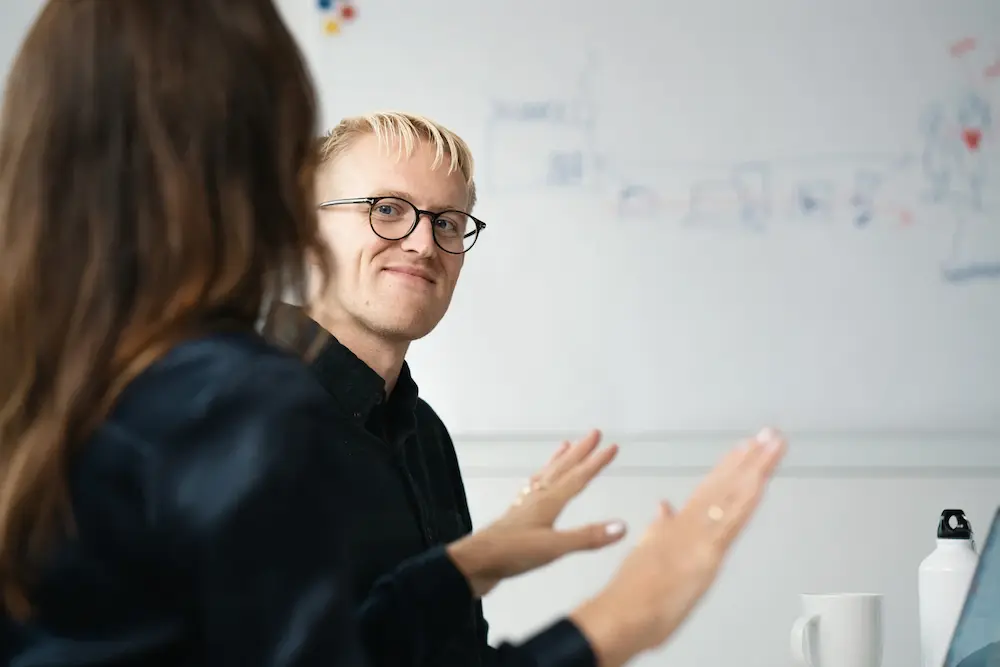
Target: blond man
[[395, 193]]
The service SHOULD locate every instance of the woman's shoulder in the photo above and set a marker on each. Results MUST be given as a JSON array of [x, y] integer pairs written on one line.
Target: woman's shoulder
[[213, 398], [228, 368], [216, 420]]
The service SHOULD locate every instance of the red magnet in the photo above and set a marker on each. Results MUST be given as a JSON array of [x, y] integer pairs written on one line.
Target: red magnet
[[347, 12]]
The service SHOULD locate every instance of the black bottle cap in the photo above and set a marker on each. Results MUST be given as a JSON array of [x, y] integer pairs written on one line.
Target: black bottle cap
[[954, 526]]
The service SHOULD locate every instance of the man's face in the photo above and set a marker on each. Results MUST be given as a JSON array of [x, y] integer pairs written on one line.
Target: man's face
[[397, 289]]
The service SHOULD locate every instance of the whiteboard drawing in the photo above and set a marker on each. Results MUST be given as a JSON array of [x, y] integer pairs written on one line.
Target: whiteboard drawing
[[863, 197], [815, 199], [552, 139], [742, 195], [960, 162], [950, 173], [955, 158]]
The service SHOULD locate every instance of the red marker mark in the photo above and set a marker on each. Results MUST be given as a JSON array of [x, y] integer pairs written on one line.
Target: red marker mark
[[962, 46], [905, 218], [347, 12], [972, 136], [992, 71]]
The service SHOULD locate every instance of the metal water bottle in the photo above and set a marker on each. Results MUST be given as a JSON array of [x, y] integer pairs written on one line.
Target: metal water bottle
[[942, 583]]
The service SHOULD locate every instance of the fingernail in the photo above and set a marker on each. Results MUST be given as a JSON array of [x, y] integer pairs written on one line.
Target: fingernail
[[770, 439], [614, 528]]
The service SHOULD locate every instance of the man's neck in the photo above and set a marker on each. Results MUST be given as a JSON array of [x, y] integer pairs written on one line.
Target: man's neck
[[383, 356]]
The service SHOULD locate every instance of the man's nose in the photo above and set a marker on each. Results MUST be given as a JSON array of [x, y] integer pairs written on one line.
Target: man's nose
[[422, 239]]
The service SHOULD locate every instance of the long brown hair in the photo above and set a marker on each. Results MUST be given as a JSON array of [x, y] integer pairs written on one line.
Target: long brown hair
[[156, 175]]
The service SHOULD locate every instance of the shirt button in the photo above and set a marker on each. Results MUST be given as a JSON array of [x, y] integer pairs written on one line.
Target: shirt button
[[357, 415]]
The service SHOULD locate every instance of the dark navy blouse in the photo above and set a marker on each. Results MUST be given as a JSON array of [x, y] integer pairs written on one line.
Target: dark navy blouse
[[209, 513]]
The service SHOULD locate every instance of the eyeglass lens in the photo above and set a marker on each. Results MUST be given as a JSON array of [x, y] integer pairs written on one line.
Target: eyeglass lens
[[392, 219]]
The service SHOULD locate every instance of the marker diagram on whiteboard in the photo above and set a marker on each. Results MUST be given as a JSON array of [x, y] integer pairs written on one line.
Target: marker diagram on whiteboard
[[952, 173]]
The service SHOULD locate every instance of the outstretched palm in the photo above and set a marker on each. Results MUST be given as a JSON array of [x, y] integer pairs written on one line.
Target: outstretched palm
[[525, 537]]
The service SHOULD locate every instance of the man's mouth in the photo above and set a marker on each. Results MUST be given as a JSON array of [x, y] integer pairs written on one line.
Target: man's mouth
[[412, 272]]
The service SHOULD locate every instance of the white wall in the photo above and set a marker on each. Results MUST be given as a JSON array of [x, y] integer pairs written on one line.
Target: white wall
[[848, 528]]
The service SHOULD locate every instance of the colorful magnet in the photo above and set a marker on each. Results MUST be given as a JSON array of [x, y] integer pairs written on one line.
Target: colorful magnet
[[347, 12], [331, 27]]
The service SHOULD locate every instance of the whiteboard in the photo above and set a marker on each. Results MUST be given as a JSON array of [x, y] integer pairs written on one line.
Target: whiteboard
[[704, 215]]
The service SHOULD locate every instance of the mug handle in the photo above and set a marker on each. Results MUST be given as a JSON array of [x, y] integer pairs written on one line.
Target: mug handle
[[801, 646]]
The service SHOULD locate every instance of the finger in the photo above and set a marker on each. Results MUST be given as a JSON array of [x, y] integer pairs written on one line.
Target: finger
[[528, 550], [572, 456], [747, 455], [552, 500], [713, 487], [739, 475], [544, 476], [576, 480], [760, 447], [763, 454], [748, 488], [560, 450], [773, 445], [593, 536]]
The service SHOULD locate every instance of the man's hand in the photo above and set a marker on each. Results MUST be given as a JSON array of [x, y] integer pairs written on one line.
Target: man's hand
[[525, 537]]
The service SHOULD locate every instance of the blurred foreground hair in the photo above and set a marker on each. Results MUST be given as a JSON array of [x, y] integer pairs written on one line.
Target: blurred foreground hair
[[156, 174]]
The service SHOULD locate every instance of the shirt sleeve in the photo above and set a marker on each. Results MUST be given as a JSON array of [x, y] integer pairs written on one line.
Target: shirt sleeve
[[560, 645]]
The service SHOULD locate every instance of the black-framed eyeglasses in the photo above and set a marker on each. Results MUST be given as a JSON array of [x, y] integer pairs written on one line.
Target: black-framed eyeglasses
[[393, 218]]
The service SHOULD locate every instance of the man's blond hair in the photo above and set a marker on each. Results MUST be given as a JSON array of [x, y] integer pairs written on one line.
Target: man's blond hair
[[405, 131]]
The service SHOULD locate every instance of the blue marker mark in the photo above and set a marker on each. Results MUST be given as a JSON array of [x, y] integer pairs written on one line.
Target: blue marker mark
[[565, 168], [815, 198]]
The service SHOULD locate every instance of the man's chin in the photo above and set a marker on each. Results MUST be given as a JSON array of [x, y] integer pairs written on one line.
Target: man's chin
[[403, 329]]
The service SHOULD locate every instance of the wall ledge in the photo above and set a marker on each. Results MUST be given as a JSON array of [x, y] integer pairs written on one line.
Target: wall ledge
[[816, 453]]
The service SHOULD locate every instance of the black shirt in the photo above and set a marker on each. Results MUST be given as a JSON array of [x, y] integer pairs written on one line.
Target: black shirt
[[210, 519], [407, 486]]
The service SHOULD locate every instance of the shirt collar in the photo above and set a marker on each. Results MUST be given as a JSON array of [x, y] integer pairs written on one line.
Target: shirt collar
[[358, 388]]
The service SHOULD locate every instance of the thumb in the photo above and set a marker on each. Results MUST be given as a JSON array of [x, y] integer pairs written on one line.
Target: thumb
[[592, 536]]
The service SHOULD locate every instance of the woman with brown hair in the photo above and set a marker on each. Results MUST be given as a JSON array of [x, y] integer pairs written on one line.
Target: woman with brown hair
[[167, 496]]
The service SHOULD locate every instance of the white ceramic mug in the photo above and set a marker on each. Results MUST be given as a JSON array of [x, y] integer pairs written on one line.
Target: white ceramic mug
[[839, 630]]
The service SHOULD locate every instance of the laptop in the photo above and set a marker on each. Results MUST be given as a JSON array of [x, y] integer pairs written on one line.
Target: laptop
[[976, 641]]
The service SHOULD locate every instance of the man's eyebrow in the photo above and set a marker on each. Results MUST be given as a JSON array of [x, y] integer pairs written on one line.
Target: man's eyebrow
[[399, 194]]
